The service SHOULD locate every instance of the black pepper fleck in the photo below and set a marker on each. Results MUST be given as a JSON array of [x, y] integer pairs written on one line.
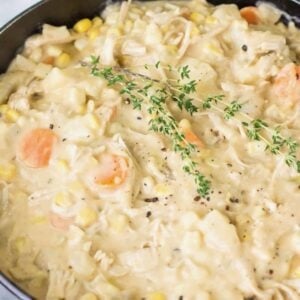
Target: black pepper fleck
[[148, 214], [151, 200], [197, 198], [51, 126], [244, 48]]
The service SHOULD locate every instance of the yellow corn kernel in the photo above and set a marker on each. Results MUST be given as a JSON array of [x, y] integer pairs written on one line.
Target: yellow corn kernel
[[83, 25], [97, 21], [38, 219], [196, 17], [86, 217], [156, 296], [63, 200], [63, 60], [118, 222], [12, 115], [172, 49], [212, 48], [184, 124], [195, 31], [62, 165], [162, 189], [3, 109], [93, 33], [76, 186], [8, 172], [295, 267], [128, 25], [93, 121], [210, 20], [20, 244], [88, 296]]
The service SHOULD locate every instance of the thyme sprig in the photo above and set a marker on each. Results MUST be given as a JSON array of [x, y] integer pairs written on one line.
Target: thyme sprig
[[256, 129], [154, 96]]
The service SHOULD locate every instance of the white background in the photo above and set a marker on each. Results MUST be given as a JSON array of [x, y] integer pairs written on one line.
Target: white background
[[9, 9]]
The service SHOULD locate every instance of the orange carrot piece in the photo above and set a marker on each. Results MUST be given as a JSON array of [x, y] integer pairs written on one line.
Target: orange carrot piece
[[250, 14], [112, 170], [36, 147], [287, 83], [191, 137]]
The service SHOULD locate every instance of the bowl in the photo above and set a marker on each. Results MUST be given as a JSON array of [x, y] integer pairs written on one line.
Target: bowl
[[66, 12]]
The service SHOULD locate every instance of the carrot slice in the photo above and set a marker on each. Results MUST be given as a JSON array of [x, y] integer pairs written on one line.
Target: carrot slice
[[191, 137], [59, 222], [36, 147], [250, 14], [287, 83], [112, 170]]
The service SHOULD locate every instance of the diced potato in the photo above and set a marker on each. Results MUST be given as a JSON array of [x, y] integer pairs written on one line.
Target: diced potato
[[42, 70], [83, 25], [88, 296], [53, 51], [156, 296], [86, 217], [20, 245], [63, 60], [184, 124], [80, 44], [8, 171], [118, 222]]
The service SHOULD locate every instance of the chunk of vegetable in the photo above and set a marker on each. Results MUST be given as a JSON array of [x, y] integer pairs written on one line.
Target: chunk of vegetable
[[36, 147]]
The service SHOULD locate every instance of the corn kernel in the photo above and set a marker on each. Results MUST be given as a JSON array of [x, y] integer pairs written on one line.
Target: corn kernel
[[118, 222], [195, 31], [20, 244], [295, 267], [12, 115], [172, 49], [83, 25], [162, 189], [63, 60], [214, 49], [8, 172], [93, 33], [93, 121], [210, 20], [86, 217], [62, 165], [3, 109], [53, 51], [76, 187], [156, 296], [184, 124], [97, 21], [88, 296], [62, 200], [128, 25], [38, 219], [196, 17]]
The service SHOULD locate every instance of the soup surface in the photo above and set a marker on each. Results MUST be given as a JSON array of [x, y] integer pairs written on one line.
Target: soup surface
[[152, 153]]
